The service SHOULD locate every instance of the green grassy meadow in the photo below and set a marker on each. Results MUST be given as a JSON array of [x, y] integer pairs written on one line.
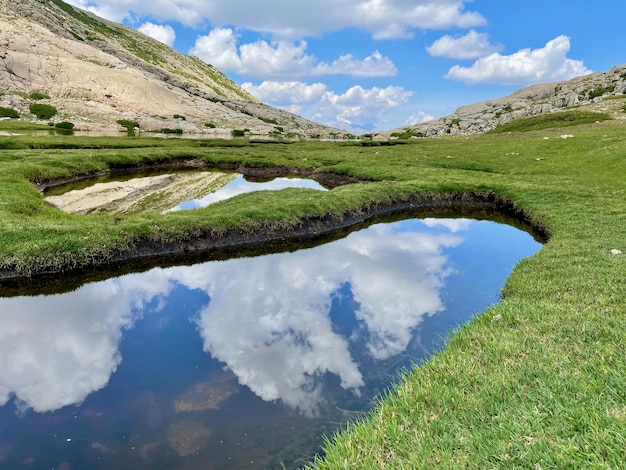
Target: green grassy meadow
[[536, 381]]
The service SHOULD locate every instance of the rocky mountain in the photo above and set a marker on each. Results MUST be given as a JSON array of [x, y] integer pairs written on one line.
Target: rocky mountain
[[96, 72], [593, 92]]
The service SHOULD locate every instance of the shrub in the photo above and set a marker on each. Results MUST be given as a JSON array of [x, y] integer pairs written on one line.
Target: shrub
[[167, 130], [179, 116], [129, 125], [268, 120], [601, 90], [43, 111], [210, 125], [9, 112], [239, 132], [39, 96], [407, 134], [64, 125]]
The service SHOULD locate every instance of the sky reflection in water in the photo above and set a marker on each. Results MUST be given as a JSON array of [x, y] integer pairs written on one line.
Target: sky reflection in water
[[307, 332], [241, 185]]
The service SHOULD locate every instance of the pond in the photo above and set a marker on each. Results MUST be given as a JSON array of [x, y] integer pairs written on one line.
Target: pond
[[242, 363], [163, 191]]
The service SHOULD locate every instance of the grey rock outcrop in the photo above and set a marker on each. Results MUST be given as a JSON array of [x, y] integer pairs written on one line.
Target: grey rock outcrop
[[592, 92], [97, 72]]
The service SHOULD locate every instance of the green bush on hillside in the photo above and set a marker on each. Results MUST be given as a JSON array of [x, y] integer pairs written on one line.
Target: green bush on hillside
[[64, 125], [239, 132], [39, 96], [129, 125], [42, 111], [9, 112]]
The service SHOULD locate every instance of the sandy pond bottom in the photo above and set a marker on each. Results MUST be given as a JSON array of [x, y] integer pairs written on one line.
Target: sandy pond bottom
[[243, 363]]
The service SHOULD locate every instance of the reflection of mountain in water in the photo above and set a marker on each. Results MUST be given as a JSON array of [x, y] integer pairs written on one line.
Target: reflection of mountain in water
[[275, 321], [242, 185]]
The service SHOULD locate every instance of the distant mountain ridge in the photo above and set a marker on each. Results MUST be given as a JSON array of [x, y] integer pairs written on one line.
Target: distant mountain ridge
[[97, 72], [594, 92]]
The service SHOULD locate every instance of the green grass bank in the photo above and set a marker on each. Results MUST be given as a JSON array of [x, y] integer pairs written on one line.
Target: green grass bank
[[536, 381]]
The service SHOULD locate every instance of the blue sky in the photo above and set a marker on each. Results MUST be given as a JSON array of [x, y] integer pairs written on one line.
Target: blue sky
[[366, 65]]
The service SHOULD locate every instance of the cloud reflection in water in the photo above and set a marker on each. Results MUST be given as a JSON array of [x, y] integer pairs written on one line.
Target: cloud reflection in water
[[241, 186], [268, 318]]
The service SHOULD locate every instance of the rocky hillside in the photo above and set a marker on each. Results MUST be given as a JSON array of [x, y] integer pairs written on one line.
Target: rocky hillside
[[96, 72], [593, 92]]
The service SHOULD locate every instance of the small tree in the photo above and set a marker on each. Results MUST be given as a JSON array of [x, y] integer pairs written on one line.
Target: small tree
[[239, 132], [129, 125], [9, 112], [42, 111]]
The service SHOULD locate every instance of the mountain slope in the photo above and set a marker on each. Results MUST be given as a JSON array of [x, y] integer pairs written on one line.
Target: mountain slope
[[599, 92], [97, 72]]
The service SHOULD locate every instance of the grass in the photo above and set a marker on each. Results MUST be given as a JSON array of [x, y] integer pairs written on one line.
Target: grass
[[536, 381], [547, 121]]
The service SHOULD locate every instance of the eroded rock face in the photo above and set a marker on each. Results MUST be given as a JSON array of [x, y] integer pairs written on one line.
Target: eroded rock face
[[92, 77], [589, 92]]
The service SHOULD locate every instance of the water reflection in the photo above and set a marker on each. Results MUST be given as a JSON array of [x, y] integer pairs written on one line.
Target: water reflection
[[268, 318], [56, 350], [162, 192], [316, 331], [241, 185]]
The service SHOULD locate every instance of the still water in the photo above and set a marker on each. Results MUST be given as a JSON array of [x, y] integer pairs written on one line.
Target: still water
[[241, 185], [162, 191], [243, 363]]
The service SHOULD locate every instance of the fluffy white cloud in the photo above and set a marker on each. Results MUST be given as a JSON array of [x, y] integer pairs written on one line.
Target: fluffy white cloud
[[281, 58], [418, 118], [293, 19], [111, 10], [470, 46], [355, 109], [163, 33], [546, 64], [373, 66]]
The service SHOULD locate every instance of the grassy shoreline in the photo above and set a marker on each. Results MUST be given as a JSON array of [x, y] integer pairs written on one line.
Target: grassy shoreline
[[537, 381]]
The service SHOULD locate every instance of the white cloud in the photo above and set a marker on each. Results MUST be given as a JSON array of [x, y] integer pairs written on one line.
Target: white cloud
[[546, 64], [163, 33], [418, 118], [470, 46], [281, 59], [111, 10], [354, 109], [294, 19], [373, 66], [387, 19]]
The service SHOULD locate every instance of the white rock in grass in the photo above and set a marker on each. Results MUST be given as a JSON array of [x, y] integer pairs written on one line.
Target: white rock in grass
[[616, 252]]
